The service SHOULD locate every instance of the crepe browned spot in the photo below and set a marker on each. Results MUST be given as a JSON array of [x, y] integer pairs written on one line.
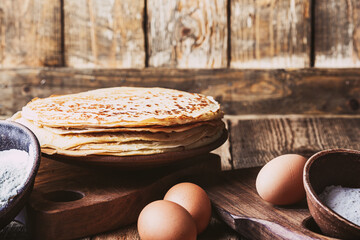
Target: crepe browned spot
[[122, 107]]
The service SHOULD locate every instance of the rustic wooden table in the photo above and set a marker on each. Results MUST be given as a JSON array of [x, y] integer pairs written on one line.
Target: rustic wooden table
[[253, 141]]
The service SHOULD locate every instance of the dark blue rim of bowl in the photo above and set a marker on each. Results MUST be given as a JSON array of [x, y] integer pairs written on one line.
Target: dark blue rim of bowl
[[34, 143]]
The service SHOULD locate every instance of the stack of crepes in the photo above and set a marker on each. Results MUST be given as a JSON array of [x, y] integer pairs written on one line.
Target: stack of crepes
[[123, 121]]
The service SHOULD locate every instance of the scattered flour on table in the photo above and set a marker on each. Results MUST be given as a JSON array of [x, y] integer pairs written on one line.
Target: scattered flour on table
[[15, 167], [344, 201]]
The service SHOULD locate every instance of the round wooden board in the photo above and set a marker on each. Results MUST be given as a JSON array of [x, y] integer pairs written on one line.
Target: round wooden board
[[140, 161]]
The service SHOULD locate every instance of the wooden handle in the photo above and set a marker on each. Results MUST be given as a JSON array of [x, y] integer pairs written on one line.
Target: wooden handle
[[253, 228]]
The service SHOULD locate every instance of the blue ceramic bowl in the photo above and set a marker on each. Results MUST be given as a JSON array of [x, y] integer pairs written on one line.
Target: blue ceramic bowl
[[16, 136]]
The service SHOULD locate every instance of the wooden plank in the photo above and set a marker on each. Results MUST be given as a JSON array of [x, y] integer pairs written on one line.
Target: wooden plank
[[270, 33], [304, 91], [30, 33], [104, 33], [187, 34], [255, 141], [337, 33]]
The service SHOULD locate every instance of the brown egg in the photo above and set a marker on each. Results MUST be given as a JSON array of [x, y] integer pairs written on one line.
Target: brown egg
[[280, 181], [163, 220], [195, 200]]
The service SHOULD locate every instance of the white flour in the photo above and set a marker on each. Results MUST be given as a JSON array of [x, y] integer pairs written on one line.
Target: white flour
[[344, 201], [15, 167]]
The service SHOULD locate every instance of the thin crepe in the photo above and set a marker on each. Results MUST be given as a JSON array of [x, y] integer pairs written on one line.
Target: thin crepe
[[123, 143], [130, 152], [122, 107], [123, 121], [52, 140]]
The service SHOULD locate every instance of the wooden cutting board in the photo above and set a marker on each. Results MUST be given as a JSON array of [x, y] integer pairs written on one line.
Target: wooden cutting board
[[111, 199], [237, 203], [71, 202]]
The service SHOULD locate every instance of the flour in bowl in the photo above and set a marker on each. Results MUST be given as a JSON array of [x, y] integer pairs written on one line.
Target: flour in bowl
[[15, 167], [344, 201]]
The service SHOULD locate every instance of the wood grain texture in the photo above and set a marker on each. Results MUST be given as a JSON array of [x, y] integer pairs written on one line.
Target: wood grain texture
[[337, 33], [304, 91], [30, 33], [270, 33], [104, 33], [255, 141], [187, 34]]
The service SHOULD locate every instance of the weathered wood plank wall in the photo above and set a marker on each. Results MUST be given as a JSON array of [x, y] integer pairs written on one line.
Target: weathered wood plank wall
[[337, 33], [180, 34], [104, 33], [187, 34], [30, 33], [181, 44], [270, 34]]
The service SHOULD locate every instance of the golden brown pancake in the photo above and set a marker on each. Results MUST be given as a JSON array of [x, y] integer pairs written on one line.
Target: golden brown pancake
[[52, 140], [137, 148], [122, 107], [123, 121]]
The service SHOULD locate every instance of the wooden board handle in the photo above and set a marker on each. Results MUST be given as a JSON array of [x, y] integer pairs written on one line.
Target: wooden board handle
[[237, 203], [258, 227]]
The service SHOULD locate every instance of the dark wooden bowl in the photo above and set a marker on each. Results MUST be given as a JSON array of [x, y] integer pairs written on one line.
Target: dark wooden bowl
[[16, 136], [332, 167]]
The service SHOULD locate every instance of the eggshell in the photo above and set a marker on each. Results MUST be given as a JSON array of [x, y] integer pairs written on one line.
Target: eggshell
[[280, 181], [163, 220], [195, 200]]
